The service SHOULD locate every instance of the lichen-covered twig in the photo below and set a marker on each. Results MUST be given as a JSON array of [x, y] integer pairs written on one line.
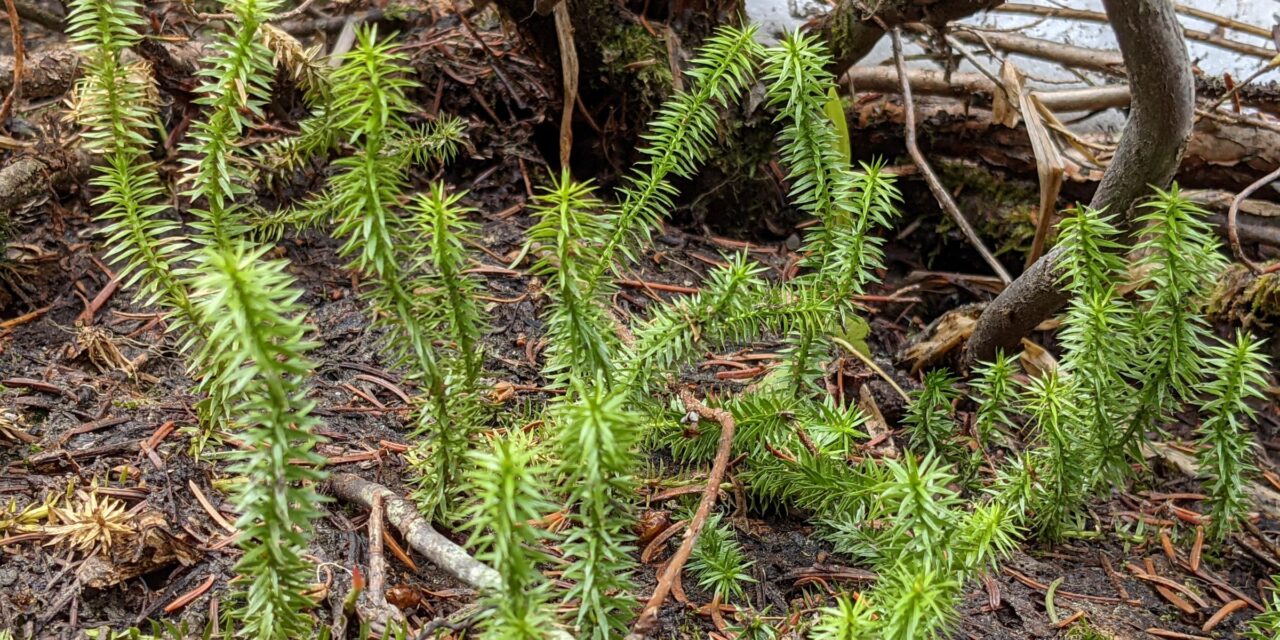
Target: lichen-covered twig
[[417, 531]]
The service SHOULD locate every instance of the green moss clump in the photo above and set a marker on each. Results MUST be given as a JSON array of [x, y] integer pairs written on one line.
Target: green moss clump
[[1002, 209], [632, 55], [1240, 296]]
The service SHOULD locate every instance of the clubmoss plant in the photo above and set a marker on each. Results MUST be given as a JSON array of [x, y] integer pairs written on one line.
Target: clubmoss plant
[[237, 83], [1180, 261], [1237, 375], [1266, 625], [996, 392], [118, 112], [1058, 460], [371, 104], [679, 138], [259, 340], [719, 563], [849, 619], [510, 495], [598, 460], [930, 427], [573, 225], [1098, 339]]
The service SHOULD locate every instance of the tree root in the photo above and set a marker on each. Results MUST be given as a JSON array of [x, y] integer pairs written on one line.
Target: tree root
[[1150, 150]]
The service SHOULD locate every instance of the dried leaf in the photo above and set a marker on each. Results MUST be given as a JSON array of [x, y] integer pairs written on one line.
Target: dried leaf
[[940, 337], [1036, 360], [1006, 102]]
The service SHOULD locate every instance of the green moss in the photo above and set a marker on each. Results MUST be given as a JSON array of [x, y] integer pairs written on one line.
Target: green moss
[[1001, 209], [1240, 296], [1082, 630], [632, 55]]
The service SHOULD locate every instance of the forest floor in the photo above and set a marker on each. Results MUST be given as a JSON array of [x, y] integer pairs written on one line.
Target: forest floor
[[92, 395]]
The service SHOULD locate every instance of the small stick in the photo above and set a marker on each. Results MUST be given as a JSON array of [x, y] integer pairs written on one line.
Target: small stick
[[1030, 582], [1174, 635], [86, 317], [371, 603], [649, 615], [935, 185], [24, 318], [417, 531], [398, 552], [657, 286], [208, 507], [1232, 234], [377, 584], [569, 72], [1069, 620], [874, 367], [1196, 550]]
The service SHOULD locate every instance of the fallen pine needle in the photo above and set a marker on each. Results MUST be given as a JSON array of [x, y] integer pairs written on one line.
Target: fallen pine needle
[[190, 596]]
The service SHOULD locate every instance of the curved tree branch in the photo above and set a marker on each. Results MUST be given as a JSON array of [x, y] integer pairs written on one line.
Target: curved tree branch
[[1154, 138], [852, 28]]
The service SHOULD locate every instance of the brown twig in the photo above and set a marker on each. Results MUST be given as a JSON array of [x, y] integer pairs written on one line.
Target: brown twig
[[935, 185], [1191, 34], [372, 604], [1233, 234], [86, 317], [377, 585], [24, 318], [656, 286], [1070, 595], [19, 59], [209, 508], [649, 615], [569, 73]]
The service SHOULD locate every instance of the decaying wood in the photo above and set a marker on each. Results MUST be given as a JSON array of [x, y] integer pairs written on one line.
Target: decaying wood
[[45, 74], [1220, 156], [1150, 150], [30, 175]]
